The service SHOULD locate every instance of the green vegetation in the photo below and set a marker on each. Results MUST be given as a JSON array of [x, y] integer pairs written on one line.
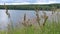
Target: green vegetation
[[52, 28], [31, 6]]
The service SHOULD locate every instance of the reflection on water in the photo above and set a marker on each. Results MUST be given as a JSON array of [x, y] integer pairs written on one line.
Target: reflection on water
[[17, 16]]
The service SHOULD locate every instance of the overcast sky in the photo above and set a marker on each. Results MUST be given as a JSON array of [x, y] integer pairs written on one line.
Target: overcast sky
[[29, 1]]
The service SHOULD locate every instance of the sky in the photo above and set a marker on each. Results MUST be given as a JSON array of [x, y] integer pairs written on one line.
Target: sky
[[29, 1]]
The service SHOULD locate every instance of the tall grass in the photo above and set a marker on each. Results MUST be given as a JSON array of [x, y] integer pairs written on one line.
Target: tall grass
[[37, 15], [52, 28], [49, 28]]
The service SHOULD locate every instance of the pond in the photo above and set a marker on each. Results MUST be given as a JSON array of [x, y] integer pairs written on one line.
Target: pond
[[18, 15]]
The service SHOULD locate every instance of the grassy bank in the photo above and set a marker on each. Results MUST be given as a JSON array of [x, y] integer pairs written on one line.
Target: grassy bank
[[49, 28]]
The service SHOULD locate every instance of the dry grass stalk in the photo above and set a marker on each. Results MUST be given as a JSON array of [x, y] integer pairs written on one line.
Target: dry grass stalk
[[24, 17], [53, 9], [37, 15], [6, 10], [26, 23], [10, 22], [45, 18]]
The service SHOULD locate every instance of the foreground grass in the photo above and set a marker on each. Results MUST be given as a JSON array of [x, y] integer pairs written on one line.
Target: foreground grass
[[52, 28], [49, 28]]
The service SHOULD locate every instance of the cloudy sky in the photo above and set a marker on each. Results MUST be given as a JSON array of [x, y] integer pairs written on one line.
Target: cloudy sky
[[29, 1]]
